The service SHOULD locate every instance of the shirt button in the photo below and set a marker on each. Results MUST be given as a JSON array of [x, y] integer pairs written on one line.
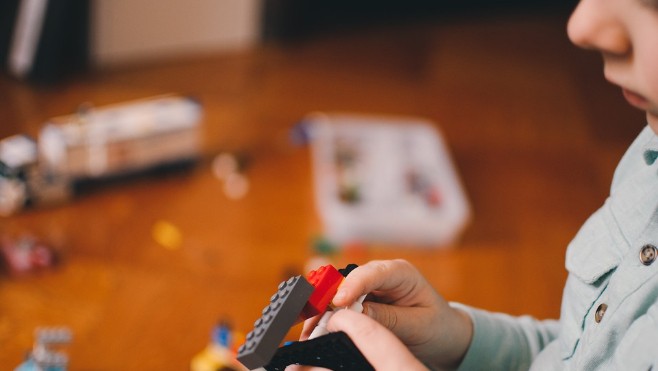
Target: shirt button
[[648, 254], [600, 312]]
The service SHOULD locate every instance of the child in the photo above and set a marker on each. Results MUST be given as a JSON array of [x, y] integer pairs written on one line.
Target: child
[[609, 316]]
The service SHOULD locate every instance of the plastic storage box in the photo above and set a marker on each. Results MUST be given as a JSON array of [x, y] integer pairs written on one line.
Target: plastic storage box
[[381, 179]]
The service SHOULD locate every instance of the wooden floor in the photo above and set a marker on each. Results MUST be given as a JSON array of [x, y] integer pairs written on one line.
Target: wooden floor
[[534, 130]]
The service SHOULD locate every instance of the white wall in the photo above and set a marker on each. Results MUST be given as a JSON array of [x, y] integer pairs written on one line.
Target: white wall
[[125, 31]]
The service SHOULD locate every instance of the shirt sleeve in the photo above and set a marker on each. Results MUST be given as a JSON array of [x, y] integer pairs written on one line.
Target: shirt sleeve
[[504, 342]]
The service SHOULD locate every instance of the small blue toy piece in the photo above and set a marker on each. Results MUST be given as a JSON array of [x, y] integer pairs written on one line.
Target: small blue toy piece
[[222, 334], [42, 357], [220, 353]]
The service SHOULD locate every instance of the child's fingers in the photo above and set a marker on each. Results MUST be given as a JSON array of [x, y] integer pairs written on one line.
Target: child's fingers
[[308, 327], [380, 347], [391, 277], [412, 325]]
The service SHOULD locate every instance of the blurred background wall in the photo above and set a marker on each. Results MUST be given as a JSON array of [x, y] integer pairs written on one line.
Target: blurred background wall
[[135, 30], [50, 39], [287, 20], [44, 41]]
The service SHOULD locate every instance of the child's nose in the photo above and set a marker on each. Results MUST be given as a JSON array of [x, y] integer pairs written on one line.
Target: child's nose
[[595, 26]]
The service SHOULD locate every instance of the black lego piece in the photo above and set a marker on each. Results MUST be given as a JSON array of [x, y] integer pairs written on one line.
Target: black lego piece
[[334, 351], [348, 269], [270, 329]]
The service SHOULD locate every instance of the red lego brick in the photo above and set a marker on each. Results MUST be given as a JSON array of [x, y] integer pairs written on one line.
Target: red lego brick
[[326, 280]]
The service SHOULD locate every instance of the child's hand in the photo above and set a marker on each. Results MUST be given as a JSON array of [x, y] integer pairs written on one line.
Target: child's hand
[[381, 348], [404, 302]]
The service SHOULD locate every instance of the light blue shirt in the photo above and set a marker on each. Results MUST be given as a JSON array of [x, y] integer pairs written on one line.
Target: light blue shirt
[[609, 317]]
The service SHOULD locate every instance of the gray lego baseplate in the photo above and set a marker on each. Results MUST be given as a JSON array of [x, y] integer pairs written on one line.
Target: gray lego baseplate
[[277, 318]]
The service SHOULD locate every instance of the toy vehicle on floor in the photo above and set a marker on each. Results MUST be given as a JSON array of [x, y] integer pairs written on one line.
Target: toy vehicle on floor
[[95, 145]]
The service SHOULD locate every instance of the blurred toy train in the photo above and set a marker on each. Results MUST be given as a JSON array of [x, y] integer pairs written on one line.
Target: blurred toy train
[[95, 145]]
